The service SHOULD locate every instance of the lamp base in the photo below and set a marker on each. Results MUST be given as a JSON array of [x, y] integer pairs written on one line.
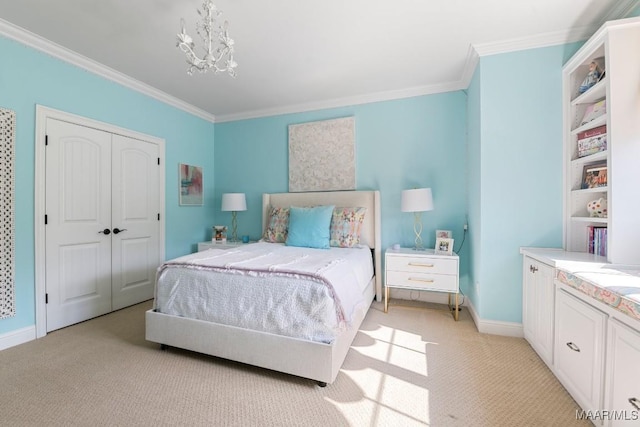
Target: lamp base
[[234, 227], [417, 229]]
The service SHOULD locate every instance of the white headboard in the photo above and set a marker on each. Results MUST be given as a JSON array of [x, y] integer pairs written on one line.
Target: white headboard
[[370, 234]]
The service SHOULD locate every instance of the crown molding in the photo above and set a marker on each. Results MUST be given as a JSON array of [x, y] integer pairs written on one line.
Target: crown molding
[[343, 102], [538, 41], [52, 49], [469, 67], [621, 10]]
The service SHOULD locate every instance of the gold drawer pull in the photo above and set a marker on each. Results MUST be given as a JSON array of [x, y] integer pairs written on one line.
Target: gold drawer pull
[[419, 264], [413, 279]]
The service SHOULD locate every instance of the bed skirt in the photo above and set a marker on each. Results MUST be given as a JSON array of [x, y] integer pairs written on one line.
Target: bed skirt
[[308, 359]]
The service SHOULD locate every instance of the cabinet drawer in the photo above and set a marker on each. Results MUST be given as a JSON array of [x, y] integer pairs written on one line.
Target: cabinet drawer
[[433, 282], [623, 378], [422, 265], [579, 349]]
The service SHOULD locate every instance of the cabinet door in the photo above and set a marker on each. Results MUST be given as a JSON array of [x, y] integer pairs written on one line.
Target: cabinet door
[[545, 298], [579, 349], [622, 395], [538, 307], [528, 300]]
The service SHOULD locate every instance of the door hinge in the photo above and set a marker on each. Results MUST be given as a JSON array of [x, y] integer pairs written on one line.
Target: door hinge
[[158, 161], [158, 217], [46, 140], [46, 220], [46, 298]]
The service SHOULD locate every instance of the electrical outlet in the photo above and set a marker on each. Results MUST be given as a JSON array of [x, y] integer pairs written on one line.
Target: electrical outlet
[[465, 227]]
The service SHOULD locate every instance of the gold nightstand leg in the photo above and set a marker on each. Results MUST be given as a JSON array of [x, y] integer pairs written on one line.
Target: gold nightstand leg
[[455, 312], [386, 298]]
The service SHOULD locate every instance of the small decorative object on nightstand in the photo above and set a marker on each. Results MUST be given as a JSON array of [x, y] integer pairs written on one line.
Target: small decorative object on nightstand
[[417, 201], [219, 234], [422, 271]]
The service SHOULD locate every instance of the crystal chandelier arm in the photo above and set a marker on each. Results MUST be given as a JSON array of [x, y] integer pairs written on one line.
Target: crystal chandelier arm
[[209, 32]]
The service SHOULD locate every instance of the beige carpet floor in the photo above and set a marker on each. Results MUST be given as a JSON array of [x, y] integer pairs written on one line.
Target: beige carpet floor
[[410, 367]]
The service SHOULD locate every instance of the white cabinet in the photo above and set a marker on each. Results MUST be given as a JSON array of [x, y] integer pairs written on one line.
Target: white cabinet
[[580, 349], [616, 46], [622, 394], [421, 271], [538, 307]]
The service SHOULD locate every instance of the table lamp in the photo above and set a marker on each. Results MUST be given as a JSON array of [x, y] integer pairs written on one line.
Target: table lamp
[[417, 201], [234, 202]]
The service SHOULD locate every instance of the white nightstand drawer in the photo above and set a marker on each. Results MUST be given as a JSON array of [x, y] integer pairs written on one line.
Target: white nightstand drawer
[[422, 265], [415, 280]]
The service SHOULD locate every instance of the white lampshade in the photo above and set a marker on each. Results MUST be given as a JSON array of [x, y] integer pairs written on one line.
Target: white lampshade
[[235, 202], [417, 200]]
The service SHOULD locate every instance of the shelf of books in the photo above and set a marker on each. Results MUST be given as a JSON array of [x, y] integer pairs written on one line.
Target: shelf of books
[[597, 240], [601, 129]]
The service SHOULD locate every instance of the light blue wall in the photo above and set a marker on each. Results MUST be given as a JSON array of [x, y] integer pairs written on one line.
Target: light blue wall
[[520, 171], [474, 183], [401, 144], [27, 78]]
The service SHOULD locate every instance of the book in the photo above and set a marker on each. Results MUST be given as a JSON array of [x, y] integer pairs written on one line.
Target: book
[[593, 111], [592, 141], [597, 240]]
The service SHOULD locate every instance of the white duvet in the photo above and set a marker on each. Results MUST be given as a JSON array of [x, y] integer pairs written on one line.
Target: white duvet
[[298, 292]]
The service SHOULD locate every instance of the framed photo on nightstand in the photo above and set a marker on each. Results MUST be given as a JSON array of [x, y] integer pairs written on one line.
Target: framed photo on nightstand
[[447, 234], [444, 246]]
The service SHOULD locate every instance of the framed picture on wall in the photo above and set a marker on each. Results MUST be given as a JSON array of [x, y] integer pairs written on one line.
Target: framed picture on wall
[[191, 186], [444, 246]]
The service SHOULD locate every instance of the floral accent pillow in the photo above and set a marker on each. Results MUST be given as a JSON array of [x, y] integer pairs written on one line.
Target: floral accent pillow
[[277, 225], [346, 224]]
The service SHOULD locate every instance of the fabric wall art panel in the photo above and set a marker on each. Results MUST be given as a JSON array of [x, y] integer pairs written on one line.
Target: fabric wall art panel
[[322, 155]]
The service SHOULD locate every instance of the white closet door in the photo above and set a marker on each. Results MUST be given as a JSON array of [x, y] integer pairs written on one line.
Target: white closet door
[[78, 209], [135, 221]]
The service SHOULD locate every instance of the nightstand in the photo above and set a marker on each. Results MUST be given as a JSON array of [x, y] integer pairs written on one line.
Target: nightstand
[[203, 246], [422, 270]]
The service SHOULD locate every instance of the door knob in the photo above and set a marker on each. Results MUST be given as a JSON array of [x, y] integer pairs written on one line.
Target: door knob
[[117, 230], [106, 231]]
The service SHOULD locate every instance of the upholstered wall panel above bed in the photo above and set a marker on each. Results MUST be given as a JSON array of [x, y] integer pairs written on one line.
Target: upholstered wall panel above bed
[[322, 155]]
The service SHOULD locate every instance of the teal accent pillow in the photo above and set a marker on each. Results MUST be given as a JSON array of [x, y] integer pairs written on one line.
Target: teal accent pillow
[[309, 227]]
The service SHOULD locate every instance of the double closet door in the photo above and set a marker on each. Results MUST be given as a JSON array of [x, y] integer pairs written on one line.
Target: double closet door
[[102, 222]]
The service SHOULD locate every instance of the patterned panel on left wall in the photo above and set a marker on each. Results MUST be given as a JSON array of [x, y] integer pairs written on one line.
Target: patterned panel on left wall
[[7, 225]]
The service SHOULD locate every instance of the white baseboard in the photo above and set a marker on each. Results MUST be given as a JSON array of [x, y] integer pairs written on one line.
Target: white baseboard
[[494, 327], [16, 337]]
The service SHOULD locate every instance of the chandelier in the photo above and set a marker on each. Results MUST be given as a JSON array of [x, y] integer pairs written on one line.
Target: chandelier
[[219, 46]]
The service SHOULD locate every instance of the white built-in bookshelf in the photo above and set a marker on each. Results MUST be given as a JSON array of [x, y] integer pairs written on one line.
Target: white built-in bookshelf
[[616, 47]]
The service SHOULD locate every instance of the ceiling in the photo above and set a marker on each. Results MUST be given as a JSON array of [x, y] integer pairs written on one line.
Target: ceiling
[[297, 55]]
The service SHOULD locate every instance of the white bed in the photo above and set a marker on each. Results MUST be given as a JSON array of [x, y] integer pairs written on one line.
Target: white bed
[[304, 357]]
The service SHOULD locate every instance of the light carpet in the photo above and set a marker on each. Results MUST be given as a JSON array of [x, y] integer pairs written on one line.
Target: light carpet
[[410, 367]]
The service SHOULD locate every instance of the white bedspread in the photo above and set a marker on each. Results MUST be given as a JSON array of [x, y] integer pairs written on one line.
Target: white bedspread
[[299, 292]]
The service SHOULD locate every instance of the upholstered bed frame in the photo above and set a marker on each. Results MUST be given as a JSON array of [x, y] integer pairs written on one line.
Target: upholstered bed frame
[[307, 359]]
